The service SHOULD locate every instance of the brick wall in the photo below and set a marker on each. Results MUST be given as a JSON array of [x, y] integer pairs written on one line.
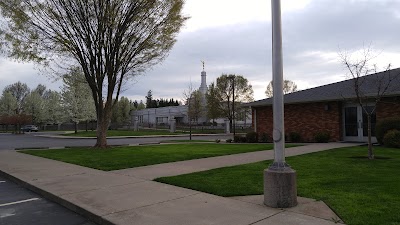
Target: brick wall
[[388, 107], [305, 119]]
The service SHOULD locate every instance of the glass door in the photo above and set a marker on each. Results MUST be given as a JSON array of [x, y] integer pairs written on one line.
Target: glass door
[[356, 123], [352, 124], [365, 122]]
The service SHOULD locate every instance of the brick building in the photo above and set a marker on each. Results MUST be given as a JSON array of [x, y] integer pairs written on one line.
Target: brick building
[[334, 108]]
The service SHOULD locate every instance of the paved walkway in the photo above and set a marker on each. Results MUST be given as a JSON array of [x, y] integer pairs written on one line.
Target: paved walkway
[[130, 197], [196, 165]]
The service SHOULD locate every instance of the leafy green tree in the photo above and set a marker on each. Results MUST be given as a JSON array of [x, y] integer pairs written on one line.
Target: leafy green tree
[[40, 89], [8, 106], [8, 103], [19, 91], [288, 87], [111, 41], [141, 105], [34, 106], [121, 112], [213, 102], [53, 110], [77, 98], [124, 110], [195, 108], [231, 91]]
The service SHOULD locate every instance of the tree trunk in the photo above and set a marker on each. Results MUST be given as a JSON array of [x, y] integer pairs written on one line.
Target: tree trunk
[[102, 126], [76, 127], [86, 125], [370, 151], [190, 129]]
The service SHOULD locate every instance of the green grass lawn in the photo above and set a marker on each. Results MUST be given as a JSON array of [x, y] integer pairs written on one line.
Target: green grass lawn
[[113, 133], [361, 191], [186, 141], [213, 131], [202, 131], [134, 156]]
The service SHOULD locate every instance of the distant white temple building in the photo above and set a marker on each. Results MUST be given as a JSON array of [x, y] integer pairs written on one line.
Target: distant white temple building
[[163, 115]]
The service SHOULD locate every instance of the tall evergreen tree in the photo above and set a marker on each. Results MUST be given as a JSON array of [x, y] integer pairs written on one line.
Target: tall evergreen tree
[[149, 99]]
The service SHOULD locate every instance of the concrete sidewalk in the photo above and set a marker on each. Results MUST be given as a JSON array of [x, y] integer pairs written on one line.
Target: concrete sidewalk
[[196, 165], [118, 198]]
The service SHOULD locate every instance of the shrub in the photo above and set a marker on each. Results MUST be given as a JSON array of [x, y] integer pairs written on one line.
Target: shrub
[[252, 137], [229, 140], [264, 137], [392, 139], [217, 141], [239, 139], [322, 137], [383, 126], [294, 137]]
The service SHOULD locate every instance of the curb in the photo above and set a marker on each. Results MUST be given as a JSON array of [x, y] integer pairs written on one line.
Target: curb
[[81, 146], [124, 137], [49, 196]]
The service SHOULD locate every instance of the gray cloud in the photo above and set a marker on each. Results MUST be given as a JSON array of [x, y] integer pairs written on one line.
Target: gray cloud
[[311, 36]]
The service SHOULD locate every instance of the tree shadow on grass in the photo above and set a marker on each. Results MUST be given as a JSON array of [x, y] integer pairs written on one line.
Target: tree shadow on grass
[[366, 157]]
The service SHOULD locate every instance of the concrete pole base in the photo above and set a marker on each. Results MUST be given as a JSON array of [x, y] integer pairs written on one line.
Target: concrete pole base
[[227, 127], [172, 124], [280, 187], [136, 124]]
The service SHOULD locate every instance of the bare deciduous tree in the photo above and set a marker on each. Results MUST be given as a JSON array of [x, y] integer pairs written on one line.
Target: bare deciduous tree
[[193, 101], [367, 96]]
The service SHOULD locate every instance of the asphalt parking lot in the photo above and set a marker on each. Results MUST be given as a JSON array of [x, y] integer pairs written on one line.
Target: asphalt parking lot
[[19, 206]]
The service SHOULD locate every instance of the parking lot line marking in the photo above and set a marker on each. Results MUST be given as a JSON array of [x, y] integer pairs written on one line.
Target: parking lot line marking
[[6, 215], [18, 202], [2, 181]]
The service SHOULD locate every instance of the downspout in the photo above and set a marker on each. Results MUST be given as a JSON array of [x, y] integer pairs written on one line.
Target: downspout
[[255, 119]]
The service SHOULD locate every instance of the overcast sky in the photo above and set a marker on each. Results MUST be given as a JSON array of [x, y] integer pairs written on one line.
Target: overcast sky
[[235, 37]]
